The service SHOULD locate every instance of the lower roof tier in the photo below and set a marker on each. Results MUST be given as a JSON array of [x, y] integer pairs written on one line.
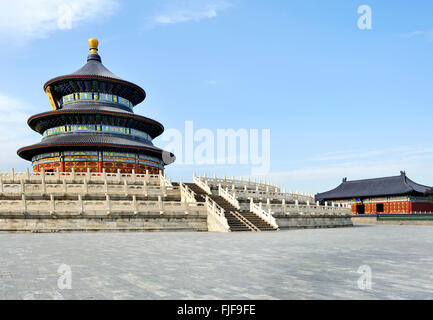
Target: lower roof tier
[[43, 121], [91, 141]]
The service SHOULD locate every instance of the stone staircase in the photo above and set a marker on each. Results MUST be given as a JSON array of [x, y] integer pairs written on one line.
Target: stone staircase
[[261, 224], [237, 220]]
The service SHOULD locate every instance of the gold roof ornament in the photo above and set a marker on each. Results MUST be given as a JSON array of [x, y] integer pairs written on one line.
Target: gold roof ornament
[[93, 45]]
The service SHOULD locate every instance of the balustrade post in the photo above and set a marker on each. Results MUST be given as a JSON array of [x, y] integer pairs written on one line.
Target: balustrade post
[[85, 186], [308, 203], [53, 204], [64, 186], [107, 199], [13, 175], [27, 174], [1, 185], [73, 173], [80, 204], [145, 188], [317, 203], [134, 204], [22, 186], [106, 186], [160, 205], [118, 176], [326, 203], [24, 203], [297, 203], [125, 187], [44, 187], [88, 174], [57, 174], [134, 176]]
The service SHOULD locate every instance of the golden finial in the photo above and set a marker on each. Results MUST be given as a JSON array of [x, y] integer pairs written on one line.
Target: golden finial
[[93, 45]]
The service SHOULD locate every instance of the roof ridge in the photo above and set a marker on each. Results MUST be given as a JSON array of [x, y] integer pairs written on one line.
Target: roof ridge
[[389, 177]]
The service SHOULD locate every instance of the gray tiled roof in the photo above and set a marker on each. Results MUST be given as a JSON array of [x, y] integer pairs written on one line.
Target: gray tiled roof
[[97, 139], [89, 140], [395, 185], [94, 67]]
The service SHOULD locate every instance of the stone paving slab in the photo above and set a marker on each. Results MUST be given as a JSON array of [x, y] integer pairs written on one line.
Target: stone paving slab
[[293, 264]]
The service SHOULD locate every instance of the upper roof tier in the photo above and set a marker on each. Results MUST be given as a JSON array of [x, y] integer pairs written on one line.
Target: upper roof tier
[[95, 77]]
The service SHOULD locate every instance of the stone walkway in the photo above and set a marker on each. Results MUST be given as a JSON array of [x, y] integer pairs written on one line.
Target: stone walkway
[[296, 264]]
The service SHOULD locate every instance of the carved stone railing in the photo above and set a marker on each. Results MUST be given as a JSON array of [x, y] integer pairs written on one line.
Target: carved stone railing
[[257, 194], [201, 183], [230, 198], [313, 209], [240, 183], [248, 189], [39, 189], [265, 215], [186, 193], [217, 213], [163, 180], [106, 206], [35, 177]]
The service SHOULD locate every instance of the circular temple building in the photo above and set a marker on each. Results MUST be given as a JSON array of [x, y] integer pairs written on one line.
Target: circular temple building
[[93, 126]]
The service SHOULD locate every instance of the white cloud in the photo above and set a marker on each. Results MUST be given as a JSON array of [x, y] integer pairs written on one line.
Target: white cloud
[[323, 172], [14, 131], [190, 10], [426, 34], [22, 20]]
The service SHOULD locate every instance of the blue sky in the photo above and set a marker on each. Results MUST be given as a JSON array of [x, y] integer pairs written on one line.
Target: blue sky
[[339, 101]]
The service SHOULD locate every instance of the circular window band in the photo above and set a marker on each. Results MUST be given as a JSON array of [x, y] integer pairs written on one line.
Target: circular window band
[[96, 128], [95, 96]]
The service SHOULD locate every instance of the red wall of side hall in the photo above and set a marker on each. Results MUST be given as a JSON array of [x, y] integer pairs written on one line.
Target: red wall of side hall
[[422, 207], [397, 207]]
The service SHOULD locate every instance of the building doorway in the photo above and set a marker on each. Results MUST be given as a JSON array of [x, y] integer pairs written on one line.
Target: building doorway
[[380, 208], [360, 209]]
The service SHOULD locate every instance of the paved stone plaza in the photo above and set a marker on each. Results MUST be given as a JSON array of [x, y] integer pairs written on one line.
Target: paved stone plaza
[[295, 264]]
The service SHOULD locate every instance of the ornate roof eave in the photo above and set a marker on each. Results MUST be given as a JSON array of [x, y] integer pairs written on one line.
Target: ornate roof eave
[[27, 154], [33, 120], [58, 80], [376, 187]]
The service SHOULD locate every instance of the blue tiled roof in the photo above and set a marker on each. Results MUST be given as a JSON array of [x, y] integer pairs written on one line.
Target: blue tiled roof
[[395, 185]]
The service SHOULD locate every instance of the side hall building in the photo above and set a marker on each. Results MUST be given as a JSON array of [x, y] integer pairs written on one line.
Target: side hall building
[[396, 194]]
